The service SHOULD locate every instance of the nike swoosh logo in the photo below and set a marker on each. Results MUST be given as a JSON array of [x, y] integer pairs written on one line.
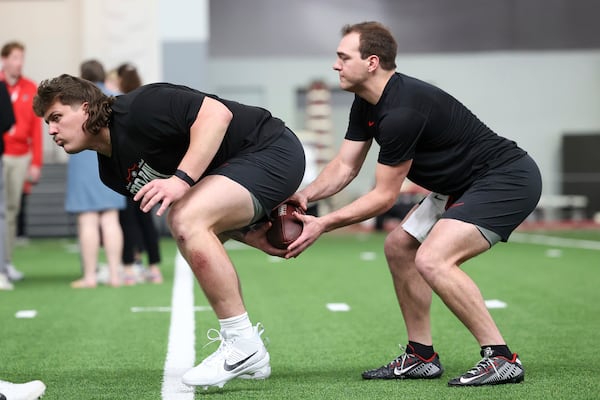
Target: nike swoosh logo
[[371, 123], [468, 380], [437, 197], [403, 371], [231, 367]]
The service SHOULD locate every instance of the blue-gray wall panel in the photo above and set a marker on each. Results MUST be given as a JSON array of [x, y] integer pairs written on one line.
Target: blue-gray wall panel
[[185, 63]]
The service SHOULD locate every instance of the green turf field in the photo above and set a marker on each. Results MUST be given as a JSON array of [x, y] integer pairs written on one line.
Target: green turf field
[[88, 344]]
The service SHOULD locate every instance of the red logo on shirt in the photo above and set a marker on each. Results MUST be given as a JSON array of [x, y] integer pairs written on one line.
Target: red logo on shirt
[[132, 173], [371, 123]]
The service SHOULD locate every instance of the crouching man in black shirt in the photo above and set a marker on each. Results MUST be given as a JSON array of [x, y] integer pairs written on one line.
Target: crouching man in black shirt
[[219, 165]]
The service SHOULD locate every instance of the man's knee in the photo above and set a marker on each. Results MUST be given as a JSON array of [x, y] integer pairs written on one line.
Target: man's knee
[[425, 261], [181, 222], [399, 246]]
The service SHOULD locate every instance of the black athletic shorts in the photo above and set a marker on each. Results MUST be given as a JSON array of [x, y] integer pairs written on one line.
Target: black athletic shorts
[[501, 199], [272, 174]]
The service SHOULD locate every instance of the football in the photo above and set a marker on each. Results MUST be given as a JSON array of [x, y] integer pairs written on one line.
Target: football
[[285, 227]]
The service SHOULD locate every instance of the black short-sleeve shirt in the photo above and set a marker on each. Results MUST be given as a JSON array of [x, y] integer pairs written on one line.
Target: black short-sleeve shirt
[[450, 147], [7, 116], [150, 134]]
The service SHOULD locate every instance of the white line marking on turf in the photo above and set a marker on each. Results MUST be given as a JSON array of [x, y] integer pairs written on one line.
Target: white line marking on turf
[[338, 307], [554, 253], [554, 241], [165, 309], [26, 314], [495, 304], [181, 353], [368, 255]]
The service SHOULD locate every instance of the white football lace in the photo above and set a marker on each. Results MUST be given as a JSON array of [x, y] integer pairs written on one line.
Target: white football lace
[[401, 357], [483, 364], [214, 335]]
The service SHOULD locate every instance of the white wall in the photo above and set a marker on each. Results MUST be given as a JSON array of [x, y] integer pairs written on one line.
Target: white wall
[[117, 31]]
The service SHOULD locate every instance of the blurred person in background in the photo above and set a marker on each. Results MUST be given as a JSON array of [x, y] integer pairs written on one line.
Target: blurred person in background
[[139, 230], [7, 120], [129, 78], [97, 207], [11, 391], [22, 144], [111, 82]]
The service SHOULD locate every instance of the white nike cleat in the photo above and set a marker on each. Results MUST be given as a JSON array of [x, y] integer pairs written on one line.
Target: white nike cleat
[[22, 391], [236, 357]]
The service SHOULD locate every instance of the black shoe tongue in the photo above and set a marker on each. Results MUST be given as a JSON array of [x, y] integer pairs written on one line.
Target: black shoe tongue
[[487, 352]]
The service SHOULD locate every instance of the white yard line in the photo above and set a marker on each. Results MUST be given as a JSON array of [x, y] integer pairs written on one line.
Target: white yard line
[[554, 241], [181, 353]]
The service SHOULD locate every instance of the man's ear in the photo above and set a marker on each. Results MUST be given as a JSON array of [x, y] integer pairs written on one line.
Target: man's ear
[[373, 63]]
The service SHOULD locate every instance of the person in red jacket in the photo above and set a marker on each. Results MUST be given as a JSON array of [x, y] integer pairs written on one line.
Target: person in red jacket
[[22, 143]]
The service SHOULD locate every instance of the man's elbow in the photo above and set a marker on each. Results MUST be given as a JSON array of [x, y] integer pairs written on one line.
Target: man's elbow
[[388, 201]]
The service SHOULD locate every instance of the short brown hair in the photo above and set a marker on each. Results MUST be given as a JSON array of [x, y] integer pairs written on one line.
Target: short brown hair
[[92, 70], [10, 46], [375, 39], [70, 90], [129, 78]]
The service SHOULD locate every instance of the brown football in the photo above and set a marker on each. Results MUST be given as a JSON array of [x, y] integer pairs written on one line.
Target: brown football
[[285, 227]]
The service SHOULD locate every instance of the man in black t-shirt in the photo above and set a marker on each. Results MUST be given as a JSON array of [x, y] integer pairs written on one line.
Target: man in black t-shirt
[[219, 165], [482, 187]]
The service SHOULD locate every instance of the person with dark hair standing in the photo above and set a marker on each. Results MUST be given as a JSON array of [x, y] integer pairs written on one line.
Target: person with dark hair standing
[[217, 166], [482, 187], [139, 230], [96, 206], [129, 77]]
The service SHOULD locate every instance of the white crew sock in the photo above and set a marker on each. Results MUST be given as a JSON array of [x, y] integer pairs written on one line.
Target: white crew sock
[[237, 326]]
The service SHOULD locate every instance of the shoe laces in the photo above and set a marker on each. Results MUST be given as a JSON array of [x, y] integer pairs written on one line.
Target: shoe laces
[[485, 363], [225, 346], [213, 336], [401, 359], [260, 329]]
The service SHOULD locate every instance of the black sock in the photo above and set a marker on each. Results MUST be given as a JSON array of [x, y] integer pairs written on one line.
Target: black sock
[[420, 349], [498, 350]]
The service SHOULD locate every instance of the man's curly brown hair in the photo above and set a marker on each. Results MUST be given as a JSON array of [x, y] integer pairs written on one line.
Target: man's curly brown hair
[[73, 91]]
